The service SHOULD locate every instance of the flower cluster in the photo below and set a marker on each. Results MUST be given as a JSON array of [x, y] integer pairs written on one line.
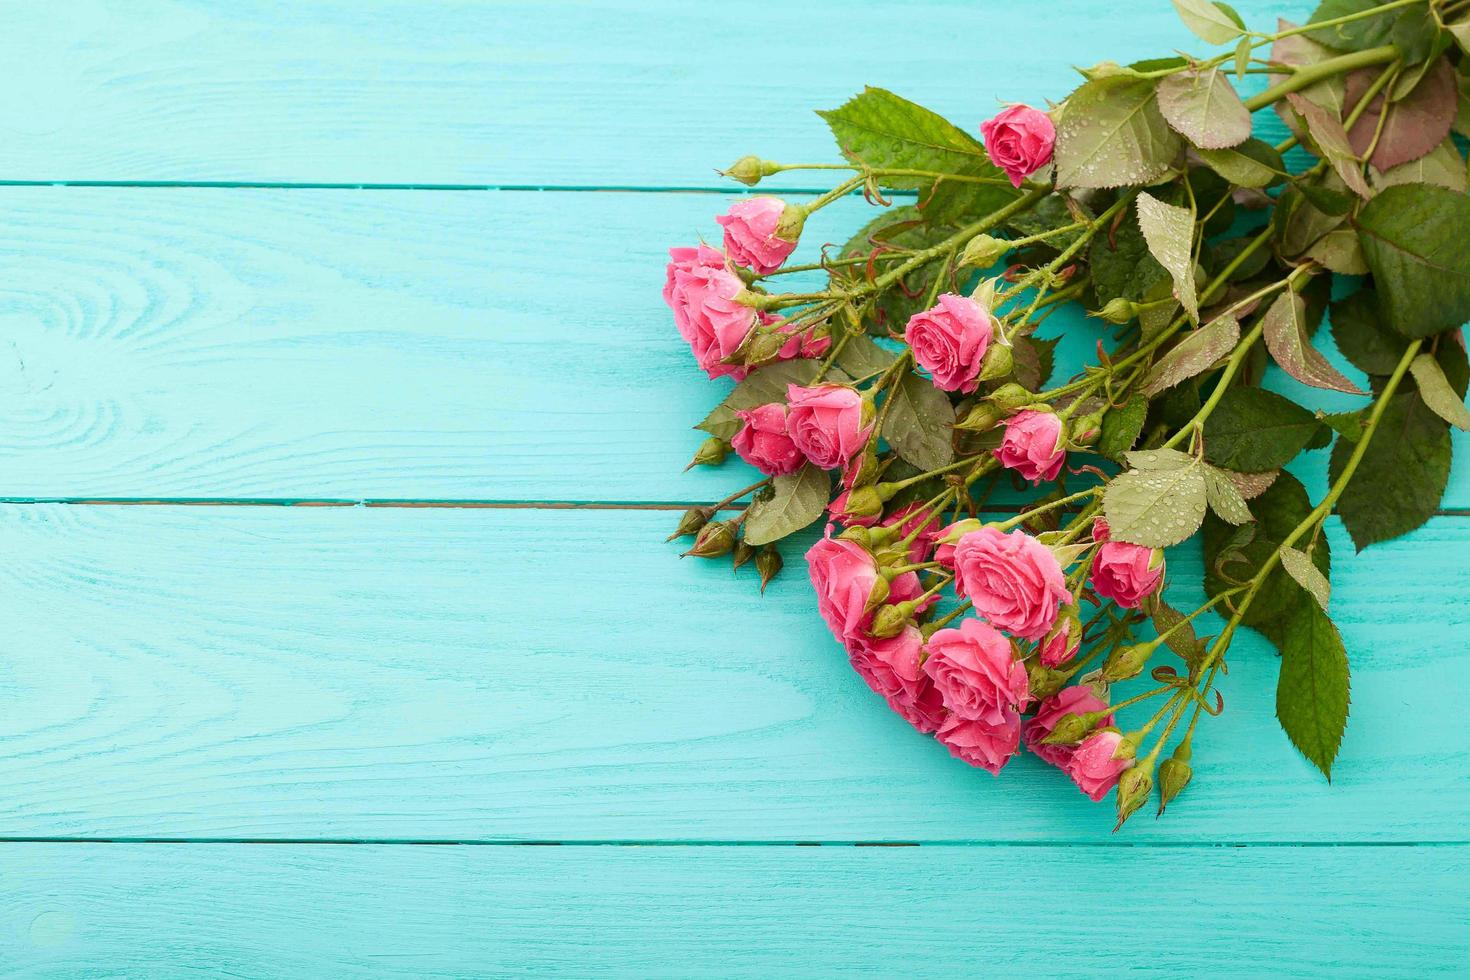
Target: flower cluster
[[899, 381]]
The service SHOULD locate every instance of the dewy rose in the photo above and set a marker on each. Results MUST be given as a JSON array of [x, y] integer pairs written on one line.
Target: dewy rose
[[1013, 580], [1092, 766], [843, 574], [702, 292], [1019, 140], [764, 443], [976, 671], [1032, 445], [751, 237], [827, 423], [981, 743], [1125, 573], [1076, 700], [891, 668], [950, 341]]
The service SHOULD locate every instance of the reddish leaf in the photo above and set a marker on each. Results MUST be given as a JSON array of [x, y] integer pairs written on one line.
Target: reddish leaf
[[1415, 125]]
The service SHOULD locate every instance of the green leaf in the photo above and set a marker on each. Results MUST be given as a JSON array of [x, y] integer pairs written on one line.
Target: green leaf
[[761, 387], [1158, 460], [1204, 106], [1415, 242], [1230, 561], [1348, 425], [1181, 636], [1169, 233], [1253, 430], [1361, 336], [920, 423], [1339, 251], [1402, 476], [881, 130], [1224, 499], [1212, 23], [1034, 359], [1285, 329], [1298, 50], [1301, 223], [1435, 389], [1307, 575], [1121, 426], [1355, 35], [1111, 134], [1332, 141], [1156, 508], [1242, 58], [1193, 355], [1442, 165], [1122, 266], [1312, 692], [1051, 212], [861, 357], [1252, 163], [800, 498]]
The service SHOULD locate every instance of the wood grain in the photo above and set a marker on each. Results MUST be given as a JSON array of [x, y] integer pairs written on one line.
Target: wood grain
[[79, 910], [600, 94], [352, 673], [250, 344]]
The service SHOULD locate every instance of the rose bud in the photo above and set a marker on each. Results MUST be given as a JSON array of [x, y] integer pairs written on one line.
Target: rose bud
[[1019, 141], [714, 539], [950, 340], [860, 506], [750, 169], [757, 230], [1174, 774], [1078, 700], [1126, 661], [1094, 766], [891, 620], [999, 361], [983, 417], [1070, 729], [768, 563], [694, 518], [1009, 397], [1087, 429], [764, 442], [1033, 445], [1134, 786], [1043, 681], [1061, 643], [763, 347], [711, 452], [1117, 310], [744, 552]]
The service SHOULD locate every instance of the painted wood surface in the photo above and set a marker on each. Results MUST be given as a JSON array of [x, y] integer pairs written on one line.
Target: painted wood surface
[[328, 344], [84, 910], [647, 93], [455, 674]]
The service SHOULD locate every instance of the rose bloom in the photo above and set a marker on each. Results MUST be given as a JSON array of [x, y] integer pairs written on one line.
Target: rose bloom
[[750, 234], [1019, 140], [826, 422], [764, 443], [946, 538], [981, 743], [976, 671], [1013, 580], [891, 668], [843, 573], [804, 341], [1092, 766], [950, 341], [1125, 573], [1076, 700], [1061, 642], [701, 290], [1031, 445]]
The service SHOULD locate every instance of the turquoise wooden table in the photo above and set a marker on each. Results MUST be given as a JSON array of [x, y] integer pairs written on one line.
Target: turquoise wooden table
[[341, 425]]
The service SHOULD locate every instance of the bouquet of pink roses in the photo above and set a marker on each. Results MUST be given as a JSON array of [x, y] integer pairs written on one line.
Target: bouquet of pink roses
[[893, 393]]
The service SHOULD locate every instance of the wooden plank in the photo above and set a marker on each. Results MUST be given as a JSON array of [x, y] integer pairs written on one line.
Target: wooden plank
[[267, 344], [528, 93], [353, 673], [74, 910]]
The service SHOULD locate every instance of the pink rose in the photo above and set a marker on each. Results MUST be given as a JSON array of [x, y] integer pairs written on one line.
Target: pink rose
[[843, 573], [1062, 640], [763, 442], [1124, 572], [750, 234], [827, 423], [1092, 766], [1032, 445], [891, 668], [701, 290], [1076, 700], [976, 671], [1013, 580], [926, 711], [907, 586], [950, 341], [838, 509], [946, 538], [1019, 140], [804, 342], [981, 743]]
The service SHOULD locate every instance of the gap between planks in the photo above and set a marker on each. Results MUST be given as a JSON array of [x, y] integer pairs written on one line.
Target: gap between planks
[[371, 186], [472, 842]]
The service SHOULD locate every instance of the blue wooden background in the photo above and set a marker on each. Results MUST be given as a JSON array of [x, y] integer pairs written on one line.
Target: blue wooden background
[[340, 426]]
